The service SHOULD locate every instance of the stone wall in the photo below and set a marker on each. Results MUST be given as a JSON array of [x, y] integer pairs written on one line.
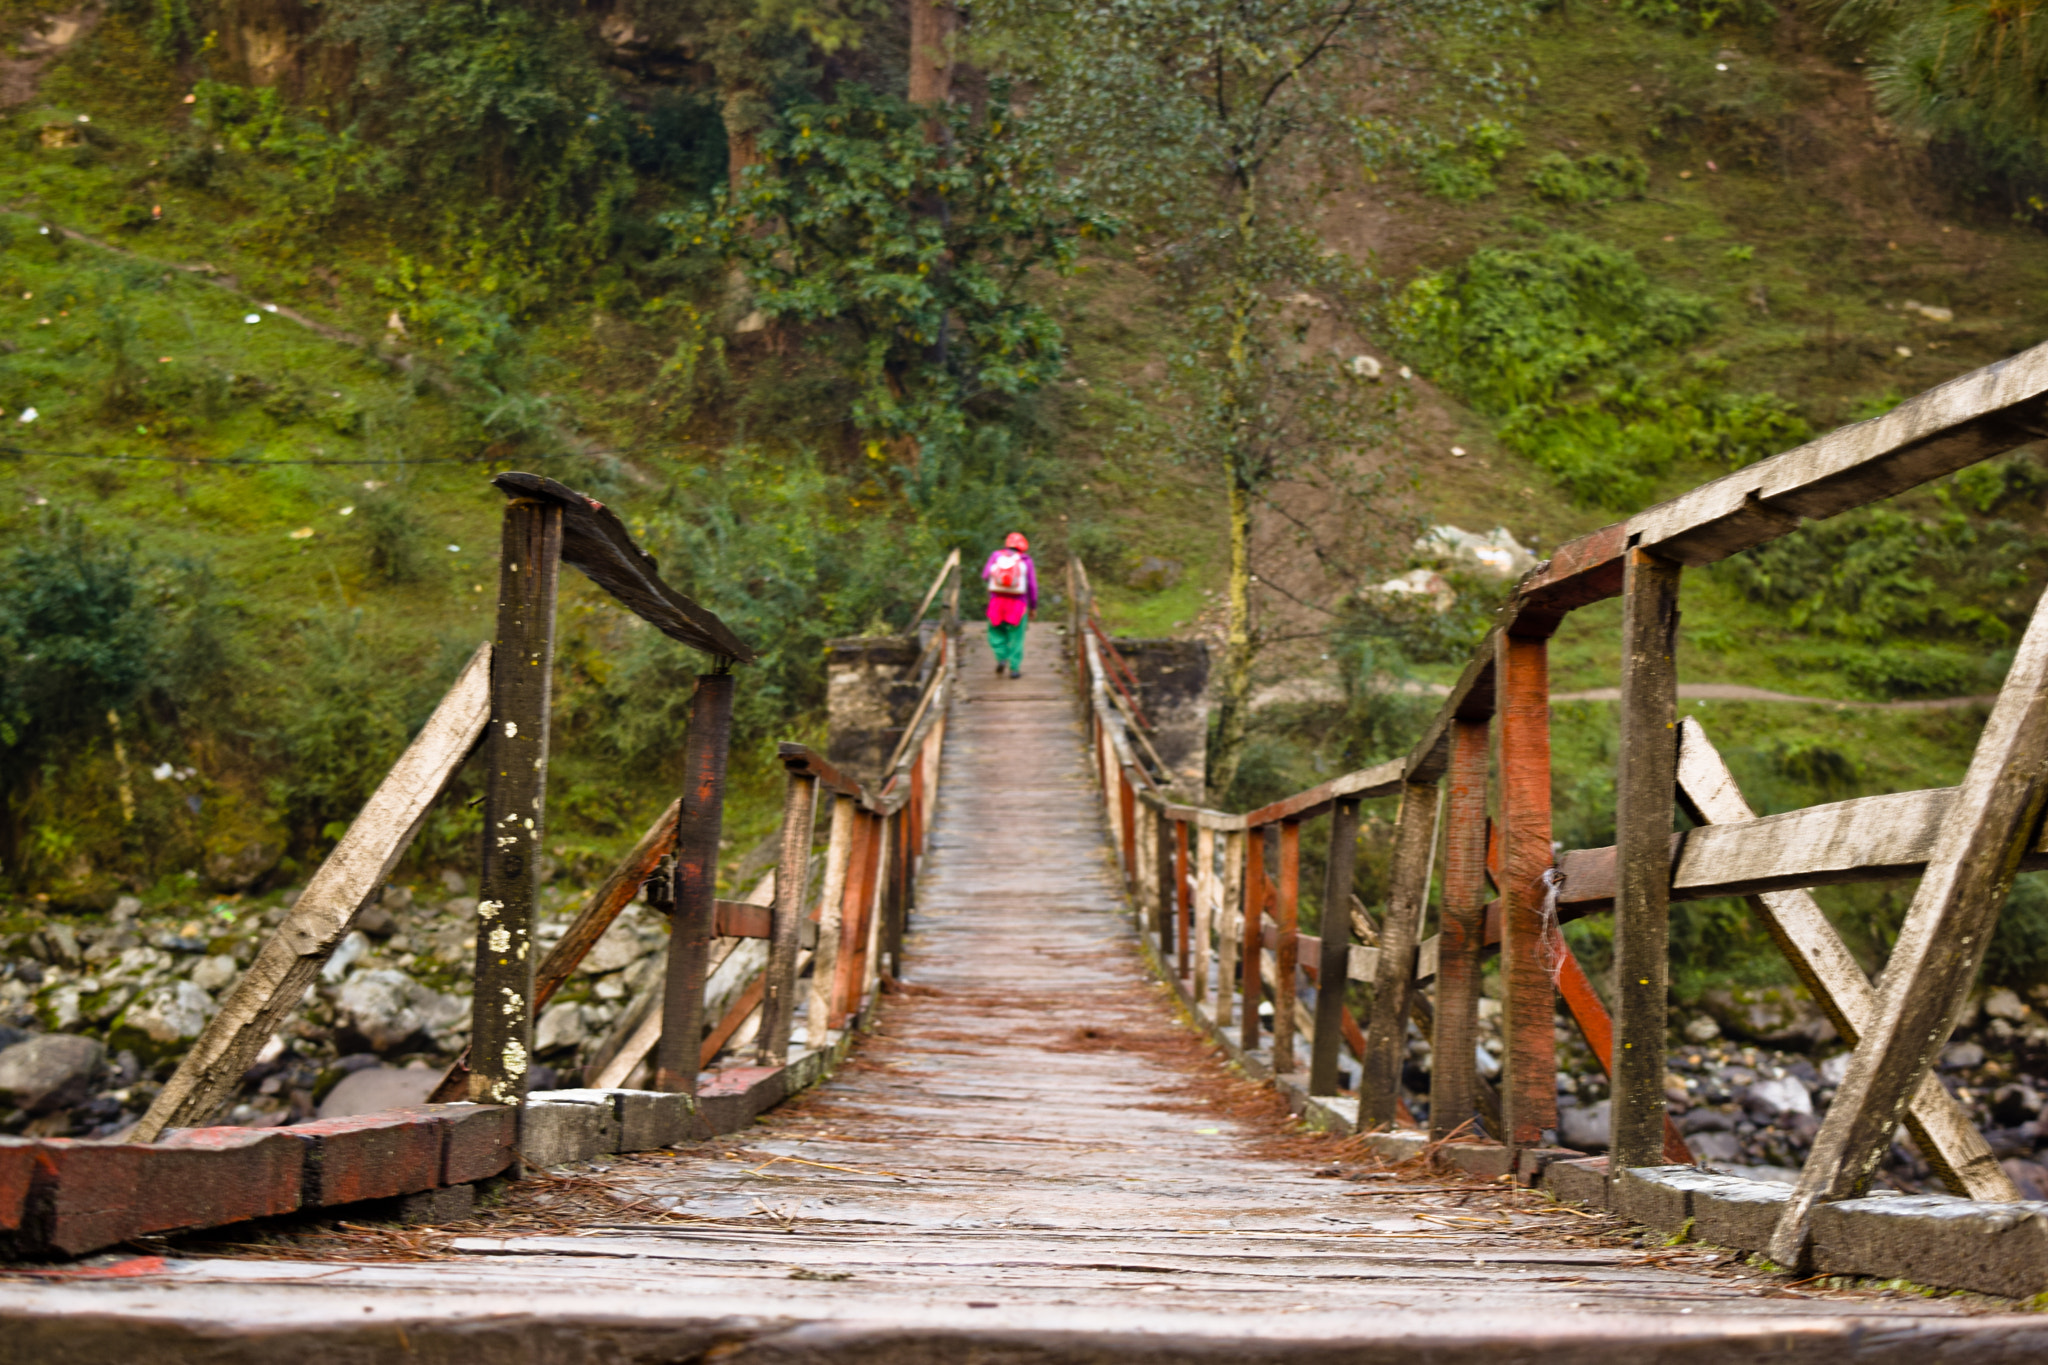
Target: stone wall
[[1173, 689], [871, 692]]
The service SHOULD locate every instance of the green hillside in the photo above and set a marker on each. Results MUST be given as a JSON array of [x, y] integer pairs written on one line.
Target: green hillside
[[283, 296]]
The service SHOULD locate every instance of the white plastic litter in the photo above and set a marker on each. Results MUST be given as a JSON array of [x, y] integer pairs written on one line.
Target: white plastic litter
[[1497, 552]]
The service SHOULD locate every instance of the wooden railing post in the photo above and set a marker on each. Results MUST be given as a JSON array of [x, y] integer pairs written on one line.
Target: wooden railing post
[[1645, 797], [821, 1006], [678, 1058], [1127, 813], [1229, 924], [859, 917], [1205, 908], [1183, 898], [515, 795], [1165, 874], [1386, 1037], [1287, 950], [1333, 969], [893, 925], [1453, 1071], [1251, 939], [792, 904], [1529, 1092]]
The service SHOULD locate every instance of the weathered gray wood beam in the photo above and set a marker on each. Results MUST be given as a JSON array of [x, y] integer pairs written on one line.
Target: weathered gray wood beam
[[792, 887], [1945, 1135], [325, 912], [1935, 960], [1386, 1036]]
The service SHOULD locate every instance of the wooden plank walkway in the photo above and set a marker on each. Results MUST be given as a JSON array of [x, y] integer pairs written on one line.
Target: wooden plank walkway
[[1032, 1160]]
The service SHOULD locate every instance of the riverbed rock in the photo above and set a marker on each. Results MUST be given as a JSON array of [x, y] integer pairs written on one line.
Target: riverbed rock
[[49, 1072], [1776, 1016], [170, 1014], [388, 1009]]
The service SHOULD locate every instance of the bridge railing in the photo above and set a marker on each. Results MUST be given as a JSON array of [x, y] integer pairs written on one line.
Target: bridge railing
[[848, 935], [1476, 790]]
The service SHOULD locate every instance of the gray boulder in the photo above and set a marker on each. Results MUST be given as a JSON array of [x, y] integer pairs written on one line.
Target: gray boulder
[[1586, 1129], [388, 1009], [171, 1013], [1777, 1016], [49, 1072], [377, 1088]]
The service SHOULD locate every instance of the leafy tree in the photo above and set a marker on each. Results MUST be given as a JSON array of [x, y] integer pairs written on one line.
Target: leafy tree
[[758, 50], [78, 639], [1211, 124], [1971, 75], [925, 310]]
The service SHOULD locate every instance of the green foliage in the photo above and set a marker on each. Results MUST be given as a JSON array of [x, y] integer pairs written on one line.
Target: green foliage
[[908, 251], [1597, 175], [397, 543], [1924, 605], [1969, 75], [351, 715], [790, 555], [1510, 326], [1462, 169], [1516, 330], [1610, 451], [1701, 15], [78, 638]]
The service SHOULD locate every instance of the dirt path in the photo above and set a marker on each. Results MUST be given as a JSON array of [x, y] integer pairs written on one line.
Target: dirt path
[[1032, 1159]]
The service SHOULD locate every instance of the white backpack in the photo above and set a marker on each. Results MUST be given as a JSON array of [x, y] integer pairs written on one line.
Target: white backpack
[[1008, 575]]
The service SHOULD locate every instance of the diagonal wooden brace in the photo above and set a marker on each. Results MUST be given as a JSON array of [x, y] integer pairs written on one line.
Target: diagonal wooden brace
[[1969, 874], [1950, 1142]]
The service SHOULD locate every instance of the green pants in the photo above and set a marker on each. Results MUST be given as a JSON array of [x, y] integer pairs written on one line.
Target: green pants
[[1007, 644]]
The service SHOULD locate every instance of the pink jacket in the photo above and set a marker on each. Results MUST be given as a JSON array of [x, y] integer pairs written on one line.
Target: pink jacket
[[1006, 609]]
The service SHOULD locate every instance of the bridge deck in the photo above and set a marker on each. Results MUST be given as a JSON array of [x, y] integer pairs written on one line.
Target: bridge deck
[[1031, 1149]]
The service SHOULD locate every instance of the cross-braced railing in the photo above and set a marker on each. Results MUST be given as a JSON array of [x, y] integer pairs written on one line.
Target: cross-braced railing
[[849, 936], [1475, 791]]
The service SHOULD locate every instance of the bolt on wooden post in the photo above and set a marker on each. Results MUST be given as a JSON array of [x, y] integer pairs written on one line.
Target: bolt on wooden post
[[515, 796], [1645, 797], [1529, 1098], [678, 1059], [1333, 965]]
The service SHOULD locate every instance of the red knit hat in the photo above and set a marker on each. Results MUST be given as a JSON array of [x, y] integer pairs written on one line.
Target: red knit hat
[[1015, 541]]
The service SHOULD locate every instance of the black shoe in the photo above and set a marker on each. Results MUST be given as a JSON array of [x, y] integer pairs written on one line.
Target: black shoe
[[1016, 672], [999, 670]]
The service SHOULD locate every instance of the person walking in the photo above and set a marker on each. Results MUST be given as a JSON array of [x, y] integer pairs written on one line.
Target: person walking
[[1012, 597]]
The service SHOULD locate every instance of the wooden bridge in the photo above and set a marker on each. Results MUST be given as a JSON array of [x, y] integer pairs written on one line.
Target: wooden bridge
[[1069, 1016]]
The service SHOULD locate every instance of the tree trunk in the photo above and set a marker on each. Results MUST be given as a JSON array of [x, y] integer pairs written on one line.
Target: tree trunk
[[932, 26], [1233, 714]]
